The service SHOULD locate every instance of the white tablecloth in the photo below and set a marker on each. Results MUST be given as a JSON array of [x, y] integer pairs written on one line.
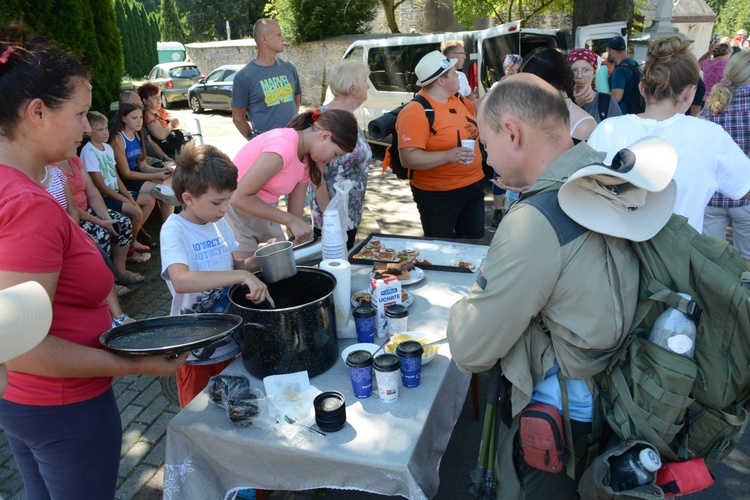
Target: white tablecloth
[[384, 448]]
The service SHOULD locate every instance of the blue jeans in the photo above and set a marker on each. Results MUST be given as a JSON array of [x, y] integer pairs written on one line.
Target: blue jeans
[[68, 451], [454, 214]]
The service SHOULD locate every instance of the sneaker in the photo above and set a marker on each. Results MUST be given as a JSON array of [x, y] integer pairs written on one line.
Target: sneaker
[[496, 218], [165, 194]]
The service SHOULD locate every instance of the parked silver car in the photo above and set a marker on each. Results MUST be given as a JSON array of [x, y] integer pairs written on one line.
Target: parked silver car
[[174, 79], [215, 90]]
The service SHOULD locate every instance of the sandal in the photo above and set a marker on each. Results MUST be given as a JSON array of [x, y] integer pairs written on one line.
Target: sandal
[[146, 239], [140, 247], [131, 278], [122, 320], [139, 257], [122, 291], [165, 194]]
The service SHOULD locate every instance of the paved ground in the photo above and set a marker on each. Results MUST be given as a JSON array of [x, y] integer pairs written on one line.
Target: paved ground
[[147, 403]]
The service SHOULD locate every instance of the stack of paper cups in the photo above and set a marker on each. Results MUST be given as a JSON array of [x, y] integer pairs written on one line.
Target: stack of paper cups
[[334, 241], [341, 270]]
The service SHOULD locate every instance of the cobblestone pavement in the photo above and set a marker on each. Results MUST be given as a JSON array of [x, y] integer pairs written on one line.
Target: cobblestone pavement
[[147, 404]]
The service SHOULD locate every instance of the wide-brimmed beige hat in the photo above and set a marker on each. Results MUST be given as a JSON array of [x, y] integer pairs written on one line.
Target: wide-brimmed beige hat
[[432, 66], [632, 198], [25, 318]]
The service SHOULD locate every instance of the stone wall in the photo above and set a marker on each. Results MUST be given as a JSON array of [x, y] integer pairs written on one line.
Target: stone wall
[[312, 59], [409, 16]]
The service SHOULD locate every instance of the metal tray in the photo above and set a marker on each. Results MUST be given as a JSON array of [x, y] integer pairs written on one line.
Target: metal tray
[[169, 334], [442, 254]]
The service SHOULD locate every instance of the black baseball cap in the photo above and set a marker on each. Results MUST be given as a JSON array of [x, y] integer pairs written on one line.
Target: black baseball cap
[[616, 43]]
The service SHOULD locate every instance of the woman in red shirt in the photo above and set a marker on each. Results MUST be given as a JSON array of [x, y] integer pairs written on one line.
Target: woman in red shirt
[[59, 412]]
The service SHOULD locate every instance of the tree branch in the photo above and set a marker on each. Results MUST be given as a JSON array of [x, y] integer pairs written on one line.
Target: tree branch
[[541, 7]]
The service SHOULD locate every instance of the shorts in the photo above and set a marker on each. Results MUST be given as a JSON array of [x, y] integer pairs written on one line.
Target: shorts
[[112, 203], [134, 185], [102, 238], [249, 230], [454, 214]]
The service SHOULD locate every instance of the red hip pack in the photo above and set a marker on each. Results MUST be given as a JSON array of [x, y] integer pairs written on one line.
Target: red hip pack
[[682, 478], [542, 437]]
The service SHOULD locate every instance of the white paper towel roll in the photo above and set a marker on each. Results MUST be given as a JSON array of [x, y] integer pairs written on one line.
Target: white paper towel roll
[[341, 270]]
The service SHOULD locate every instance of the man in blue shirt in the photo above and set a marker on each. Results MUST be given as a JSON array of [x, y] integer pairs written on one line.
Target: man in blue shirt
[[623, 81]]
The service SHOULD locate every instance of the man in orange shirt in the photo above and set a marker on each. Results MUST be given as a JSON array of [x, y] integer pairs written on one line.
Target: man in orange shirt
[[448, 182]]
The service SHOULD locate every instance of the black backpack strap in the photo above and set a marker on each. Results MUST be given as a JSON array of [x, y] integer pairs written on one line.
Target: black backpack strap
[[427, 110], [604, 100]]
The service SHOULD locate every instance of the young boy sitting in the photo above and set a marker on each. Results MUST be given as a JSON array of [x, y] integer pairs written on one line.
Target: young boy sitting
[[99, 159], [196, 256]]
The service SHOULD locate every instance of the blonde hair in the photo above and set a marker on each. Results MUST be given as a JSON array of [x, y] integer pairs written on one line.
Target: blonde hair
[[736, 74], [346, 73], [670, 68], [96, 118], [449, 46]]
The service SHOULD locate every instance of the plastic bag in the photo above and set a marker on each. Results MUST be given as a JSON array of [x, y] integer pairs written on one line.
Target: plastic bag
[[245, 404], [336, 220]]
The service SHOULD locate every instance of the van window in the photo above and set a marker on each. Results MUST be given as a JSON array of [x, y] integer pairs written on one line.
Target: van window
[[355, 54], [495, 49], [392, 68]]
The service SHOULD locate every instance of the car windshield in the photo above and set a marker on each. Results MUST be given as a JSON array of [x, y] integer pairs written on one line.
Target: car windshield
[[184, 72]]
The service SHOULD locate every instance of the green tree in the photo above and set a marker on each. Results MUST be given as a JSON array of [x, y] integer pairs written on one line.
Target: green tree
[[151, 6], [169, 23], [310, 20], [504, 11], [587, 12], [85, 31], [109, 67], [149, 56], [206, 21], [733, 15]]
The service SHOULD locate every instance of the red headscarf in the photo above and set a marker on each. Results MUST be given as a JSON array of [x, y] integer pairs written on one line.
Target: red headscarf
[[584, 55]]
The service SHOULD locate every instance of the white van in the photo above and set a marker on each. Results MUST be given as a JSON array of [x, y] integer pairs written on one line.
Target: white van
[[392, 59]]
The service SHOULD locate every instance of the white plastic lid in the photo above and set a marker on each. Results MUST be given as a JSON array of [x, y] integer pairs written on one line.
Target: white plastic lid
[[649, 459]]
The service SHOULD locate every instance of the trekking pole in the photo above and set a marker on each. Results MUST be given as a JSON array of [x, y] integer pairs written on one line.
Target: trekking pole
[[485, 460], [489, 473]]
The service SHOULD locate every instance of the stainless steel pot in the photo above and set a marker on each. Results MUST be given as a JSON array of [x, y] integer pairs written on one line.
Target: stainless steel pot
[[298, 334]]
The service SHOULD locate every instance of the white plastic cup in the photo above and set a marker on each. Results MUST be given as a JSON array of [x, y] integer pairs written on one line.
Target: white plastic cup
[[387, 376], [468, 143]]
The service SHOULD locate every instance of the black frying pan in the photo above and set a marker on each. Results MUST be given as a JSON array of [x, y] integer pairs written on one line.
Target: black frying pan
[[169, 334]]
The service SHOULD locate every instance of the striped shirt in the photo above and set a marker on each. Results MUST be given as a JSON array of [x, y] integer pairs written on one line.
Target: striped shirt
[[54, 182]]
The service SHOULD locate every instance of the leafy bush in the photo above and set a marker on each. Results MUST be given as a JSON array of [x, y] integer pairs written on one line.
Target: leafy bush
[[310, 20]]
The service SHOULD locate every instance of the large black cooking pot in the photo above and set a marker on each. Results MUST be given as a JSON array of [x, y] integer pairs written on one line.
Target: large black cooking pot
[[298, 334]]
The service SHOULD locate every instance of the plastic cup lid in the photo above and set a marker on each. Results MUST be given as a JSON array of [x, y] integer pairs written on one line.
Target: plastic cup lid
[[359, 359], [396, 311], [387, 363], [410, 349], [364, 311]]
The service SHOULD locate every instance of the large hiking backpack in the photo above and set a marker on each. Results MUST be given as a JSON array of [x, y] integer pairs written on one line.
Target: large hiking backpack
[[685, 408], [392, 157], [636, 104]]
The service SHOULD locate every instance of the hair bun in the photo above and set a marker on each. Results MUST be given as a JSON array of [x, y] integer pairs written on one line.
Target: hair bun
[[665, 48]]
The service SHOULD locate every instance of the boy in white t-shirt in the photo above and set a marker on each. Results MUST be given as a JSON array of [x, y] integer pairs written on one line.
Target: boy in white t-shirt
[[99, 159], [196, 256]]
